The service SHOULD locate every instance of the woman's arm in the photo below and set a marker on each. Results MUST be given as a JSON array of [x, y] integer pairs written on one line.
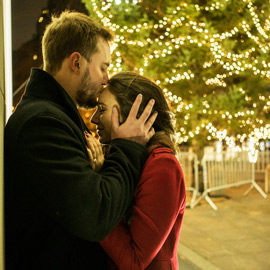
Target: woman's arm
[[158, 200]]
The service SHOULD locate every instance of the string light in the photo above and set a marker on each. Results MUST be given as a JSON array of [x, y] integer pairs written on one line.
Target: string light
[[231, 64]]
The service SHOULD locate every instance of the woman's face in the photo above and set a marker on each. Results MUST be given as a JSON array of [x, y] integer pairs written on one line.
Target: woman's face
[[103, 114]]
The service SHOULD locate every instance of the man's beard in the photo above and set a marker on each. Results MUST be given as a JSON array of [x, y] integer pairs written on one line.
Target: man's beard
[[87, 92]]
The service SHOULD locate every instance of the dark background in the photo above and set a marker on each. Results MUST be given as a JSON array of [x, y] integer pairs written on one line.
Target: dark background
[[25, 14], [29, 19]]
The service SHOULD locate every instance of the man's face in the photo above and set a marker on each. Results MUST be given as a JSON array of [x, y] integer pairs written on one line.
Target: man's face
[[95, 76], [102, 116]]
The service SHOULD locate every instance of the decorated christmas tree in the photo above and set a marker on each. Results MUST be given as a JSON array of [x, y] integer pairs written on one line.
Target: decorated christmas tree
[[211, 58]]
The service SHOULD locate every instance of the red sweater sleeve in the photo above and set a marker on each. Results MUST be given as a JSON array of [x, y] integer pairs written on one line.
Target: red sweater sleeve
[[156, 207]]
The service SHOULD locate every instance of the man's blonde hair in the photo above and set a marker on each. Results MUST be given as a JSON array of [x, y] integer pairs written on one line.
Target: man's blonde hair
[[68, 33]]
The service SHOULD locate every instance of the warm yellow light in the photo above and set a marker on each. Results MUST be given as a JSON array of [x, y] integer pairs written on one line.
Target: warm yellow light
[[8, 58]]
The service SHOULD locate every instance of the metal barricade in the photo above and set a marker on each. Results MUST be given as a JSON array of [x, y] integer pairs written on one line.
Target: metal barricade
[[227, 169], [189, 164], [262, 167], [263, 160], [267, 178]]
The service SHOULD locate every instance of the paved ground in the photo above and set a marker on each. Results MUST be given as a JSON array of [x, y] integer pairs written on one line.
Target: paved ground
[[235, 237]]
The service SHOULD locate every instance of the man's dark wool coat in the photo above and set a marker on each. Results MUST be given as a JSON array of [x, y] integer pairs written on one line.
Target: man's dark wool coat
[[56, 207]]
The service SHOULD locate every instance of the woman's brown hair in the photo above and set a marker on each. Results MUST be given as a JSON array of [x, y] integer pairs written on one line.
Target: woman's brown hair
[[125, 86]]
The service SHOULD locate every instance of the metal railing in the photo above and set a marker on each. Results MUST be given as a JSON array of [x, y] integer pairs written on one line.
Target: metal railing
[[267, 178], [263, 160], [189, 164], [262, 166], [225, 170]]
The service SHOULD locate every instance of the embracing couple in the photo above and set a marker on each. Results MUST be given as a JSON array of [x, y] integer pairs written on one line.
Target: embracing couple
[[71, 201]]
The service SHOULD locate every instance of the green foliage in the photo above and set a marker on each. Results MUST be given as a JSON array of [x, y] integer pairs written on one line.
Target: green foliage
[[211, 57]]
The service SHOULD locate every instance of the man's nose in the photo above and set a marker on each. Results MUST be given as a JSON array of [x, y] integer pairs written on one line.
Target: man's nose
[[105, 79]]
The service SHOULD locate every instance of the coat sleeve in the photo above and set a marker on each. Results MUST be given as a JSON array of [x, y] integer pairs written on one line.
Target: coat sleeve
[[59, 178], [156, 207]]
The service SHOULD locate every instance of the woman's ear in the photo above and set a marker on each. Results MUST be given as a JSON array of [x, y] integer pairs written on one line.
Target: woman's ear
[[120, 116]]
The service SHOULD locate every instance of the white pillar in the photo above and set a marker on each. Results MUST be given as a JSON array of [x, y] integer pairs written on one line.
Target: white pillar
[[6, 102], [7, 37]]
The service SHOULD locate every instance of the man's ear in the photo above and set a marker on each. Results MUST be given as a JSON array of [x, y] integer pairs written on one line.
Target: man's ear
[[75, 61]]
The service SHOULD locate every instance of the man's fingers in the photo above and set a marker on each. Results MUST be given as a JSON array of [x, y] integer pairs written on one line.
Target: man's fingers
[[115, 118], [151, 133], [135, 107], [151, 121], [138, 130], [147, 111]]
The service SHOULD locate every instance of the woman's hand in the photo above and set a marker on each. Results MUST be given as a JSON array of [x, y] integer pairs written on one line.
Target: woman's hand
[[95, 153]]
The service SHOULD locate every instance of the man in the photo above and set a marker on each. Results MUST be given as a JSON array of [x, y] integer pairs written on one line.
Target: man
[[56, 207]]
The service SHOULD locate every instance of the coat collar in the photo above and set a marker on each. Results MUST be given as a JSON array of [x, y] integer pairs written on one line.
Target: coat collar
[[42, 85], [160, 149]]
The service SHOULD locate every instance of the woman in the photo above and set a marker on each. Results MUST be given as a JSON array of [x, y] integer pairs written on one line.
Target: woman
[[148, 235]]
